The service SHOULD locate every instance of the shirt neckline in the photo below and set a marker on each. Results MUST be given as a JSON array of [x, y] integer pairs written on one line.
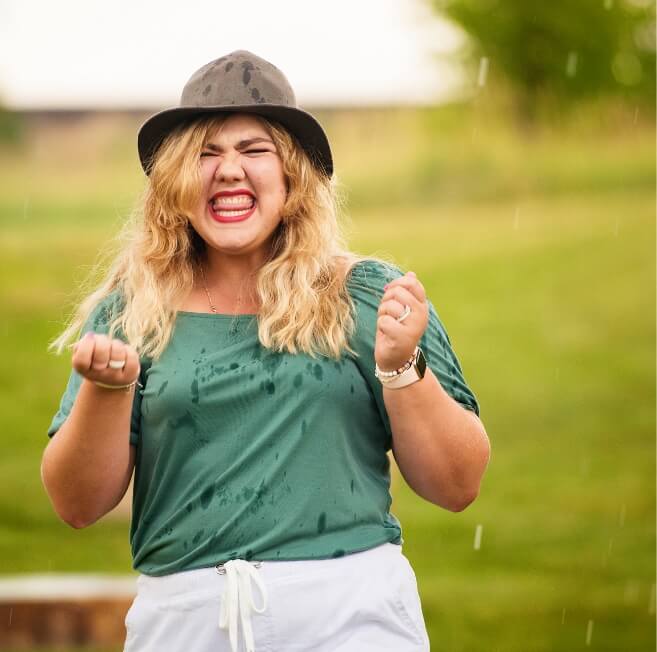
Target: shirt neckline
[[187, 313]]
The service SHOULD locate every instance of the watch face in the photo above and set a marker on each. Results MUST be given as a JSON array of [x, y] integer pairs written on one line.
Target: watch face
[[420, 363]]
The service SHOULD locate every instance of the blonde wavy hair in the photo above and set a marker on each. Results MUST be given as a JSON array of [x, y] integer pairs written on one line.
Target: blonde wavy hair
[[301, 290]]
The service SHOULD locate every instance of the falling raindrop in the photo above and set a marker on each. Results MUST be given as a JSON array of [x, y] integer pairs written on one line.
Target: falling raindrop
[[631, 593], [477, 540], [636, 115], [474, 133], [589, 632], [483, 71], [651, 604], [563, 615], [621, 516], [616, 227], [11, 613], [611, 541], [571, 64]]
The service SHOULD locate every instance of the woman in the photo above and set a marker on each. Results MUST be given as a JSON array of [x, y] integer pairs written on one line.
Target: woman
[[254, 373]]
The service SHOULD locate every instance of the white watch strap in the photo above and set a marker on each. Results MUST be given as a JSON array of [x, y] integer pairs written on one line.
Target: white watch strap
[[409, 376]]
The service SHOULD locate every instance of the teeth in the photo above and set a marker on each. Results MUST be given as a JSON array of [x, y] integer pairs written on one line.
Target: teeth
[[239, 200], [232, 213]]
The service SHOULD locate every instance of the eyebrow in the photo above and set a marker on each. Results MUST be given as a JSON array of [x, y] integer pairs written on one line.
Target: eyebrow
[[241, 145]]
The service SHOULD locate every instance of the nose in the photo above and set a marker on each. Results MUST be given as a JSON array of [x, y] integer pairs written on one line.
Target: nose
[[229, 168]]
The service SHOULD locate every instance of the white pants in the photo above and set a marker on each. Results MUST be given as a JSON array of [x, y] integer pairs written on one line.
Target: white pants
[[364, 602]]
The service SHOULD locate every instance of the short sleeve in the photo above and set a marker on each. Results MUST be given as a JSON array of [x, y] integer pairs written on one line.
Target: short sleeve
[[365, 285], [98, 322]]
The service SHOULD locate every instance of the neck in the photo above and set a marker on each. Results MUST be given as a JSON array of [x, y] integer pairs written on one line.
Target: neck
[[232, 278]]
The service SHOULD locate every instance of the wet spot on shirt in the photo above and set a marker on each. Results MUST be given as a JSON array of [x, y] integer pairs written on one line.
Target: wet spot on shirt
[[352, 389], [197, 536], [250, 376], [185, 544], [352, 486], [206, 496], [338, 367], [234, 365], [184, 422], [248, 555], [277, 454], [247, 492], [223, 494], [190, 507], [272, 362], [317, 372], [338, 553], [298, 381], [321, 523], [163, 532], [304, 427], [163, 386], [262, 490], [194, 390], [270, 388]]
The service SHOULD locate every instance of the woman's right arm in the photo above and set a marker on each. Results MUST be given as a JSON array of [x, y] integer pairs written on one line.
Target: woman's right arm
[[88, 463]]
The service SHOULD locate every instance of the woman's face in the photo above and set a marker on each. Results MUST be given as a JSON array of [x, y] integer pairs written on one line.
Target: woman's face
[[244, 189]]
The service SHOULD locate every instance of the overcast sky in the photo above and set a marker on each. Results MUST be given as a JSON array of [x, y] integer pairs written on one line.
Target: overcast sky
[[134, 53]]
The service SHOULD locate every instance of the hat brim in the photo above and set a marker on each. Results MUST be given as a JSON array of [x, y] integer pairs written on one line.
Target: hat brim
[[298, 122]]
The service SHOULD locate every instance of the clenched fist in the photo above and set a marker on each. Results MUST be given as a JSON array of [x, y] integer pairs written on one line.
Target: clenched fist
[[395, 340], [93, 353]]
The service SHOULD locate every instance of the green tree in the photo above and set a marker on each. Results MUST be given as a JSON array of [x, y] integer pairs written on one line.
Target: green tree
[[560, 50]]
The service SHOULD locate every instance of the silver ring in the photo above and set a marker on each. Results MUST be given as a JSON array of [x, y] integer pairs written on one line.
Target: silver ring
[[116, 364], [406, 313]]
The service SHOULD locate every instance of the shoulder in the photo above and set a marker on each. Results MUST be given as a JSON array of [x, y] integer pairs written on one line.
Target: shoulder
[[104, 312], [370, 275]]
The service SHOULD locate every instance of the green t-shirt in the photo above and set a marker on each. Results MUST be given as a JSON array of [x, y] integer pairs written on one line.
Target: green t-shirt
[[246, 453]]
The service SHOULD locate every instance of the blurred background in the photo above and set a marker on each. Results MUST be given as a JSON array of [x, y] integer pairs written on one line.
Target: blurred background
[[502, 150]]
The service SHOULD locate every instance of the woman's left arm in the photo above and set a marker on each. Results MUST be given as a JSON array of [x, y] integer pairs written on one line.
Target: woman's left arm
[[441, 448]]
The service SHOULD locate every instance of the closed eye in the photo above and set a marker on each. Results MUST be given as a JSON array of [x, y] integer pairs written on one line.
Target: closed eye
[[248, 151]]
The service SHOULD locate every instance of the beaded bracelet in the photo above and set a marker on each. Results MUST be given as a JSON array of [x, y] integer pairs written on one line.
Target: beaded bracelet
[[126, 387], [381, 375]]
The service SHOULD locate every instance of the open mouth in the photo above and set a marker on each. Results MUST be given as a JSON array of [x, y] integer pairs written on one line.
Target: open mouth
[[232, 208]]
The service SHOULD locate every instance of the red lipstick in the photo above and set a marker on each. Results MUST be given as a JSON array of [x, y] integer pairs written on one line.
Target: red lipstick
[[227, 211]]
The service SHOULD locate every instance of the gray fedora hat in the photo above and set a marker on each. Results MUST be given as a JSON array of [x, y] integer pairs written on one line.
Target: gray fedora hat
[[239, 82]]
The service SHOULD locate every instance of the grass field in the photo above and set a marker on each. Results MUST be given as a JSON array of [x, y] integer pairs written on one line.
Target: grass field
[[539, 255]]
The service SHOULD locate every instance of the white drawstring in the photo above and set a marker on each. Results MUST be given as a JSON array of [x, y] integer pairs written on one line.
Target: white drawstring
[[238, 597]]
